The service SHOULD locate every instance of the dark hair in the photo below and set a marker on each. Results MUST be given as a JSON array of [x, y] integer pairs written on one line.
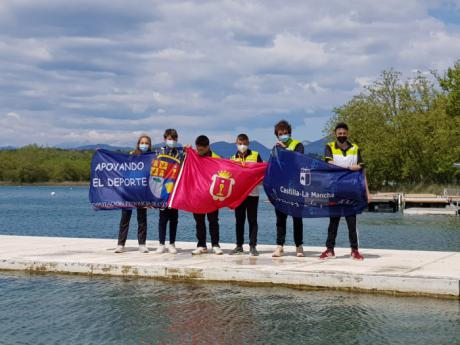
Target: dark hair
[[137, 151], [202, 140], [281, 126], [170, 132], [341, 125], [242, 136]]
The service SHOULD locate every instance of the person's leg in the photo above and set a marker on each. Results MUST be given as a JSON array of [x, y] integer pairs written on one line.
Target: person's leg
[[142, 226], [280, 233], [332, 232], [352, 233], [252, 206], [200, 229], [298, 231], [280, 227], [173, 221], [213, 219], [240, 215], [162, 225], [124, 226]]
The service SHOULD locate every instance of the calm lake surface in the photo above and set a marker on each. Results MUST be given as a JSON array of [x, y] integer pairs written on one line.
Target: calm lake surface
[[34, 211], [53, 309]]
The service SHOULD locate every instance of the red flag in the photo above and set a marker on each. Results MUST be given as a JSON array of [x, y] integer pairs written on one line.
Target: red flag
[[206, 184]]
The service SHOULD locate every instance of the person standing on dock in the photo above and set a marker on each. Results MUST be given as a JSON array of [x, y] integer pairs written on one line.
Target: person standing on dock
[[203, 149], [169, 215], [283, 133], [144, 145], [250, 204], [346, 155]]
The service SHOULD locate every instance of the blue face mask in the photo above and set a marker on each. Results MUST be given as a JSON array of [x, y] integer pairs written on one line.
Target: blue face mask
[[143, 147], [171, 143], [284, 138]]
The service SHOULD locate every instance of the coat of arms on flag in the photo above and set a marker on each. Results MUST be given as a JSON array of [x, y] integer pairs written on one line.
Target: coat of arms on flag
[[222, 184]]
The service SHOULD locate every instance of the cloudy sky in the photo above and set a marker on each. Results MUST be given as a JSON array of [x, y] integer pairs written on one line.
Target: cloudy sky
[[105, 71]]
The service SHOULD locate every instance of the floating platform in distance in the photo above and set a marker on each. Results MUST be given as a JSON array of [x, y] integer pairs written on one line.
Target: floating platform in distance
[[385, 202], [430, 211], [415, 204], [429, 204], [383, 271]]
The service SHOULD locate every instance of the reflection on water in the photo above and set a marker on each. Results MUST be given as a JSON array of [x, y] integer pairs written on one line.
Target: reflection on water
[[45, 309]]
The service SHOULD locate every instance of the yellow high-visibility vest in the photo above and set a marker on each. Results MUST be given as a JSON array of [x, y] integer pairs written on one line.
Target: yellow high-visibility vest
[[345, 161], [292, 145], [250, 158]]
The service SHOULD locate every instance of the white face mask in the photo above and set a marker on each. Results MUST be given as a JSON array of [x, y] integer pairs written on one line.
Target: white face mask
[[242, 148]]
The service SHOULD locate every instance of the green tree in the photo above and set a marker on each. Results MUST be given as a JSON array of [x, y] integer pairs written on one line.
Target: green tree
[[450, 84], [404, 129]]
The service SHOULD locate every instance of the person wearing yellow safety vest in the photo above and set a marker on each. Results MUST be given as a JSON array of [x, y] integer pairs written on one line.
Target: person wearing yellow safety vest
[[203, 149], [250, 204], [346, 155], [283, 133]]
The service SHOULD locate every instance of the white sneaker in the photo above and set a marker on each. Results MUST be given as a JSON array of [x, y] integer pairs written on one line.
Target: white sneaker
[[299, 251], [172, 249], [279, 251], [143, 248], [217, 250], [200, 250], [161, 249], [120, 249]]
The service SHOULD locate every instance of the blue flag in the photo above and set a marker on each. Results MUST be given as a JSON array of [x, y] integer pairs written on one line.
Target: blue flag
[[301, 186], [120, 180]]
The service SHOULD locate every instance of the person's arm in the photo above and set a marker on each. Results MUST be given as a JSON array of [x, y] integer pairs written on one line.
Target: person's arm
[[279, 143], [360, 163], [367, 188]]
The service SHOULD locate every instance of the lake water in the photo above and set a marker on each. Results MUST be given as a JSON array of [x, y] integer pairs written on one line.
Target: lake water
[[34, 211], [53, 309], [47, 309]]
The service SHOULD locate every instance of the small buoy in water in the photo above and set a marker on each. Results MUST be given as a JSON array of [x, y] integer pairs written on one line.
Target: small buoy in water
[[52, 193]]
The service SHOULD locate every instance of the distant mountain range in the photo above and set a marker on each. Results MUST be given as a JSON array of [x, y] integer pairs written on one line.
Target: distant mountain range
[[2, 148], [316, 147], [227, 150], [222, 148], [101, 146]]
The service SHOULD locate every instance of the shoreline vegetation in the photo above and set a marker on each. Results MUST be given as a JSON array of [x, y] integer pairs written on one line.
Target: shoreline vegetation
[[46, 184], [408, 131], [415, 189]]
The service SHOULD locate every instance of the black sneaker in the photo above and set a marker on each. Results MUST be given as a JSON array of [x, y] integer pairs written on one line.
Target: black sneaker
[[253, 251], [237, 251]]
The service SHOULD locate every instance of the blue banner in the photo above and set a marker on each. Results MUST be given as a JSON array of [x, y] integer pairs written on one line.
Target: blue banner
[[120, 180], [301, 186]]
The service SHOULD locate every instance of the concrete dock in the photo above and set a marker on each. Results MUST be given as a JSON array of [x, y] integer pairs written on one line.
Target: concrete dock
[[384, 271]]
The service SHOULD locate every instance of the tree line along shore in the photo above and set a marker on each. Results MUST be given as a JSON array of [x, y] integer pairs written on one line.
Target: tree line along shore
[[408, 131]]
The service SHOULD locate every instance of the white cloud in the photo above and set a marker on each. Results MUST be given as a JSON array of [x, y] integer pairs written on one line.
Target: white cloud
[[90, 71], [13, 115]]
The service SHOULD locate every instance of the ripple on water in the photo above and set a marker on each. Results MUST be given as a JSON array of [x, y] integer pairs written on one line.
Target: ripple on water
[[45, 309]]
